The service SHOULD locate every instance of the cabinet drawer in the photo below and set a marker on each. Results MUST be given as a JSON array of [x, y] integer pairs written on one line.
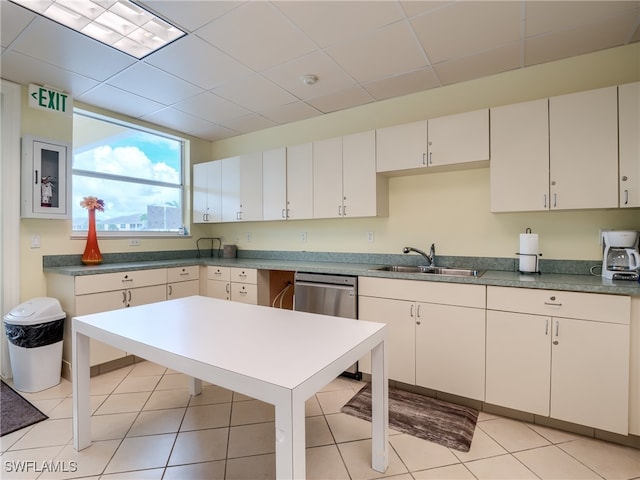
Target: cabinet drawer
[[183, 274], [116, 281], [245, 293], [244, 275], [424, 291], [219, 273], [586, 306]]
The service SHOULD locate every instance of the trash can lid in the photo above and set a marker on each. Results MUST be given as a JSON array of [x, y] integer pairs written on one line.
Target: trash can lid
[[36, 310]]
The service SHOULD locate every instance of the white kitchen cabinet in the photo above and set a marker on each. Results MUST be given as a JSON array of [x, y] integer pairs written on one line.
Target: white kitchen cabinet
[[87, 294], [583, 150], [300, 182], [183, 281], [219, 282], [207, 195], [345, 180], [459, 138], [274, 184], [46, 174], [448, 140], [436, 332], [560, 354], [519, 167], [629, 138], [242, 188]]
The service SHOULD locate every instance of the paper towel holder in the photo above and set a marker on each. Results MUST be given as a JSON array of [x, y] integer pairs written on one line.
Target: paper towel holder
[[536, 255]]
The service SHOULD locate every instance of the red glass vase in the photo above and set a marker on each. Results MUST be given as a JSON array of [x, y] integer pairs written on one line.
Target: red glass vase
[[92, 255]]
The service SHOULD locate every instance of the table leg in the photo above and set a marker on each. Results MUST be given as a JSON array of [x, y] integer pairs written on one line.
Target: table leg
[[195, 386], [80, 375], [379, 408], [290, 439]]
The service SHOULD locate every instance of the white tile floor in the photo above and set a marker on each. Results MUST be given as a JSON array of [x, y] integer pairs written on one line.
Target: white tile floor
[[145, 425]]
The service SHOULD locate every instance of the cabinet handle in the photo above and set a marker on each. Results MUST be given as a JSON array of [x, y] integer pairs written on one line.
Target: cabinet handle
[[555, 342], [184, 274], [127, 279], [545, 200], [546, 328], [424, 159], [129, 295], [287, 213], [124, 297], [36, 176], [344, 211], [226, 288], [430, 158], [238, 215], [626, 197], [170, 290], [411, 311], [555, 200], [552, 304], [418, 312], [282, 215]]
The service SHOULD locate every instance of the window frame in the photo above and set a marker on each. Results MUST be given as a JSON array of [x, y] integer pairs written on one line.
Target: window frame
[[183, 185]]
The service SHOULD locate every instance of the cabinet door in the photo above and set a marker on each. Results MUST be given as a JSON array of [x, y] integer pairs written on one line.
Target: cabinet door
[[207, 198], [399, 316], [459, 138], [183, 289], [230, 189], [274, 184], [450, 353], [590, 374], [251, 187], [219, 289], [45, 179], [359, 179], [145, 295], [519, 168], [327, 178], [300, 182], [402, 147], [518, 364], [629, 118], [583, 144]]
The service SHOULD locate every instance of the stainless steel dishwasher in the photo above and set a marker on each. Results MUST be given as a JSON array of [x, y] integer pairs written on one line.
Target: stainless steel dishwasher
[[335, 295]]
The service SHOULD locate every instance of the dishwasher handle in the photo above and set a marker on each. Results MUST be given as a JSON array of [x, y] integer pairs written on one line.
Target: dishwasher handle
[[325, 285]]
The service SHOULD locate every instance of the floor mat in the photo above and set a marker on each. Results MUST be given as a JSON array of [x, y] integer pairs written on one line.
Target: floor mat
[[17, 412]]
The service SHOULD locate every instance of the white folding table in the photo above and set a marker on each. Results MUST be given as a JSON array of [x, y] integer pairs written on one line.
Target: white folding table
[[278, 356]]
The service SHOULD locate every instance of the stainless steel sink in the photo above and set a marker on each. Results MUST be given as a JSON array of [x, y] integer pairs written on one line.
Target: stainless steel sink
[[456, 272]]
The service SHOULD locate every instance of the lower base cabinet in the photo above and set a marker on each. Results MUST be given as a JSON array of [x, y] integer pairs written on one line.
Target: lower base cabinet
[[544, 362]]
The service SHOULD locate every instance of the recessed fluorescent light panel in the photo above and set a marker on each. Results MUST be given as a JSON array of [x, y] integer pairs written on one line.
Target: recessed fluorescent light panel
[[118, 23]]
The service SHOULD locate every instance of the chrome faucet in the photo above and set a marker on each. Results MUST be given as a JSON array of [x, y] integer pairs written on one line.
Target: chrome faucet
[[431, 258]]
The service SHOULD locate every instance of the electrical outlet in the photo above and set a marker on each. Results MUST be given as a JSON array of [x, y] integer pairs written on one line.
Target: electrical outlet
[[134, 242], [35, 241], [370, 237], [303, 237], [249, 237]]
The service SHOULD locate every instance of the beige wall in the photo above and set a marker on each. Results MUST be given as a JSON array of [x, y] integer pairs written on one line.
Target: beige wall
[[448, 208]]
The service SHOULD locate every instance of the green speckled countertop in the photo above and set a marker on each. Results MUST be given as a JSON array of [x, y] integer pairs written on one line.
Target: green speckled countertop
[[498, 272]]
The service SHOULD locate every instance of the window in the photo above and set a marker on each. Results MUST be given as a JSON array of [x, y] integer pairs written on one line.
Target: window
[[137, 172]]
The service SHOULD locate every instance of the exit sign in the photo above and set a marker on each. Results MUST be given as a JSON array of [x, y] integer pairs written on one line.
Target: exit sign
[[47, 98]]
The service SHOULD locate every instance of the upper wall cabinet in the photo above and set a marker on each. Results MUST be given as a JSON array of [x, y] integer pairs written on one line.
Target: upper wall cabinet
[[274, 184], [520, 157], [46, 171], [300, 182], [207, 199], [629, 138], [242, 188], [449, 140], [345, 180], [583, 149]]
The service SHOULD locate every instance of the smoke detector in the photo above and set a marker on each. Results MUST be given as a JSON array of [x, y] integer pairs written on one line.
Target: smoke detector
[[309, 79]]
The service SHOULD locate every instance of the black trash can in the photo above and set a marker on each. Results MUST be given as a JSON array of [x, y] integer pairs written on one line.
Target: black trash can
[[34, 330]]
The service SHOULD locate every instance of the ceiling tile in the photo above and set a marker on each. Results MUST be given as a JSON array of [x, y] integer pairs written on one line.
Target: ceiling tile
[[417, 7], [607, 33], [13, 19], [172, 118], [329, 23], [211, 107], [416, 81], [331, 77], [154, 84], [255, 93], [545, 17], [250, 123], [467, 27], [60, 46], [190, 14], [266, 38], [375, 56], [209, 68], [21, 69], [213, 132], [483, 64], [292, 112], [352, 96], [105, 96]]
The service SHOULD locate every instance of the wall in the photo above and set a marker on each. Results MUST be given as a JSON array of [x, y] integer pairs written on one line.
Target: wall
[[448, 208]]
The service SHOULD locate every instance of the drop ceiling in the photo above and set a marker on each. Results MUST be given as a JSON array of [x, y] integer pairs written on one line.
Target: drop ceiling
[[238, 69]]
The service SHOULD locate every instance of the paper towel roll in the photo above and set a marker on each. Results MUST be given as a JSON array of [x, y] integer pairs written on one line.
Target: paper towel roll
[[528, 252]]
